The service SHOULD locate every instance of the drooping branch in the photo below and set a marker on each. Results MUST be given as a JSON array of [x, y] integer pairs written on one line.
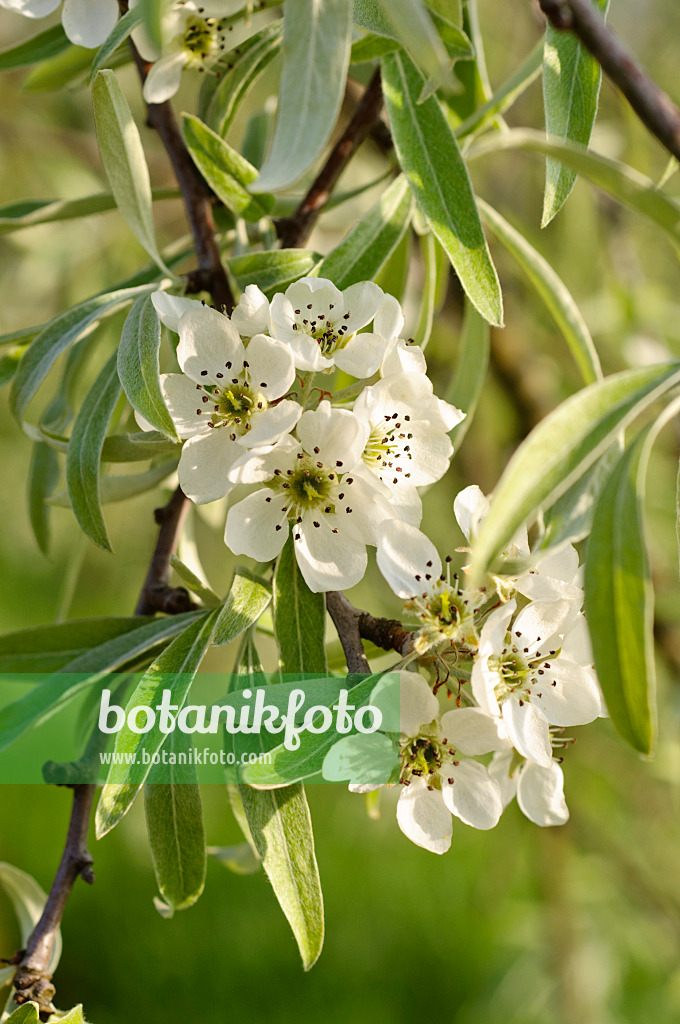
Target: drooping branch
[[296, 229], [32, 980], [653, 106]]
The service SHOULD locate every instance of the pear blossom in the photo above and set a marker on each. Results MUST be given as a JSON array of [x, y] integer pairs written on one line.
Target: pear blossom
[[319, 323], [86, 22], [250, 316], [407, 444], [411, 564], [228, 397], [539, 788], [522, 674], [400, 356], [193, 38], [310, 484], [437, 783]]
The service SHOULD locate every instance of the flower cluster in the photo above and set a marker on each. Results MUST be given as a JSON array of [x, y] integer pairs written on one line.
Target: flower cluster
[[254, 407], [522, 643]]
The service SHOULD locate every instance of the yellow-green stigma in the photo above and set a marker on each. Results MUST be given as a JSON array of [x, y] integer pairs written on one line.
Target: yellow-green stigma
[[230, 405]]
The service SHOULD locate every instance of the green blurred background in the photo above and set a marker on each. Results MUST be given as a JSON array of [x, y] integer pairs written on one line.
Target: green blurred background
[[577, 925]]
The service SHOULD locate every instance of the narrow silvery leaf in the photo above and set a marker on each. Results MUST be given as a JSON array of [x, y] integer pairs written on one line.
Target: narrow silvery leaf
[[28, 900], [246, 66], [281, 827], [147, 444], [369, 244], [33, 51], [428, 248], [195, 584], [571, 89], [620, 598], [119, 33], [138, 367], [317, 36], [247, 598], [135, 647], [122, 488], [124, 162], [225, 170], [173, 670], [625, 184], [473, 363], [429, 155], [411, 21], [569, 519], [174, 822], [43, 477], [27, 213], [58, 335], [48, 648], [299, 618], [84, 453], [564, 445], [272, 271], [552, 291], [26, 1014]]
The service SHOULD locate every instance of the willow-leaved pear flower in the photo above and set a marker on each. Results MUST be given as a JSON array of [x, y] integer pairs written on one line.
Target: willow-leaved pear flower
[[521, 673], [319, 323], [408, 444], [228, 397], [400, 356], [539, 788], [86, 22], [310, 486], [250, 316]]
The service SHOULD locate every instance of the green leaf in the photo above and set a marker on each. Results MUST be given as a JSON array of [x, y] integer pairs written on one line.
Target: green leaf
[[39, 48], [124, 162], [564, 445], [628, 186], [371, 47], [432, 162], [569, 519], [67, 68], [409, 23], [147, 444], [486, 114], [26, 1014], [272, 271], [28, 900], [620, 598], [174, 822], [28, 212], [281, 827], [225, 170], [137, 643], [394, 275], [244, 68], [173, 670], [74, 1016], [120, 32], [9, 363], [121, 488], [58, 335], [473, 362], [43, 477], [195, 583], [138, 365], [369, 244], [552, 291], [241, 859], [571, 89], [84, 453], [247, 598], [317, 37], [428, 248], [299, 618], [49, 648]]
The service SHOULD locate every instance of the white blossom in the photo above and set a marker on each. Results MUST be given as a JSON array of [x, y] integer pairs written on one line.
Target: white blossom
[[228, 397], [86, 22], [310, 485], [400, 355], [319, 324], [539, 788], [250, 316]]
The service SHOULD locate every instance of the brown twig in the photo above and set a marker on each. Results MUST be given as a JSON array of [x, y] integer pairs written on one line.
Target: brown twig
[[32, 980], [652, 105], [353, 625], [157, 595], [296, 229]]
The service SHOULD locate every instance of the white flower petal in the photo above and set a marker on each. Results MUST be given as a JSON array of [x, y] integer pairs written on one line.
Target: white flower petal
[[541, 620], [540, 794], [259, 464], [271, 367], [406, 503], [327, 560], [471, 731], [402, 357], [361, 302], [576, 644], [88, 22], [171, 307], [403, 556], [470, 507], [251, 315], [337, 436], [499, 770], [406, 702], [496, 626], [318, 293], [252, 526], [569, 695], [483, 684], [472, 796], [31, 8], [389, 319], [164, 78], [423, 818], [271, 424], [361, 356], [204, 464], [184, 402], [210, 349], [528, 729]]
